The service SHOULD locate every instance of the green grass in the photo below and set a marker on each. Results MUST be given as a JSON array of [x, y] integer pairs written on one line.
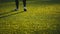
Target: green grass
[[40, 18]]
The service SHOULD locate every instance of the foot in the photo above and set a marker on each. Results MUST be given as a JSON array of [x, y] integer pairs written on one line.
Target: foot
[[16, 10], [25, 9]]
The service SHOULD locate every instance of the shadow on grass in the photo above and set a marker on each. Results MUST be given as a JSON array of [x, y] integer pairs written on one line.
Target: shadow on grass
[[9, 13]]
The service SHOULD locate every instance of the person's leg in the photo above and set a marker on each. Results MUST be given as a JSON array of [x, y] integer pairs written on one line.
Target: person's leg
[[24, 4], [17, 4]]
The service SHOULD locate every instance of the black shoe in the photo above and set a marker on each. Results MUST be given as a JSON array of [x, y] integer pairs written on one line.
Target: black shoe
[[25, 10]]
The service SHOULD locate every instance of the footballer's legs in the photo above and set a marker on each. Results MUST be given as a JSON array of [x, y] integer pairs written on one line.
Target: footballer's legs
[[24, 4], [17, 5]]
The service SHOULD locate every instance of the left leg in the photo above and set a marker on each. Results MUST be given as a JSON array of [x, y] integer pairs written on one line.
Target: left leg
[[24, 4], [17, 5]]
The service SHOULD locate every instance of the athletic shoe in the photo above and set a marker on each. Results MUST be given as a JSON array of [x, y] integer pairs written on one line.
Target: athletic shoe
[[25, 10], [16, 9]]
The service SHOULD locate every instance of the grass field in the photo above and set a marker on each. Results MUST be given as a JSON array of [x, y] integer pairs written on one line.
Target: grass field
[[40, 18]]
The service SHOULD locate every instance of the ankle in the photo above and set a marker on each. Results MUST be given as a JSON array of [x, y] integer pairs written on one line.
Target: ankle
[[25, 8]]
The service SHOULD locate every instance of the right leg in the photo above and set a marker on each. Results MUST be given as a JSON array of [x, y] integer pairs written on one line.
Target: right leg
[[24, 4], [17, 4]]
